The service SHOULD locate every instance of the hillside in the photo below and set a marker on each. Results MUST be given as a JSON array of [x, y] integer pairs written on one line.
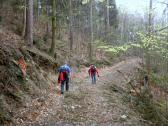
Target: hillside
[[18, 91]]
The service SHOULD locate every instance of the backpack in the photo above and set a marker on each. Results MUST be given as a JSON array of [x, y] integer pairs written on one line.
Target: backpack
[[64, 68]]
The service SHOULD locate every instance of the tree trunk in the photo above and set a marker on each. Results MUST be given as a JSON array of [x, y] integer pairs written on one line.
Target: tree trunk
[[24, 19], [29, 23], [70, 26], [91, 29], [148, 64], [39, 8], [47, 23], [108, 19], [52, 49]]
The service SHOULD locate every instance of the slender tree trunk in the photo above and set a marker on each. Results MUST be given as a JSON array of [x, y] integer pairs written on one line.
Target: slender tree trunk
[[47, 23], [39, 7], [24, 19], [148, 64], [108, 18], [167, 36], [122, 28], [29, 23], [52, 49], [150, 17], [91, 29], [1, 3], [70, 26]]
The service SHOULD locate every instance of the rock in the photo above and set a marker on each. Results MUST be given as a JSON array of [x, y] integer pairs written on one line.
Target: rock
[[124, 117], [73, 107], [42, 99]]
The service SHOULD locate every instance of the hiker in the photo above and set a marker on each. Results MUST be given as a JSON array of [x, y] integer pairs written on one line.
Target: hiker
[[64, 76], [92, 73]]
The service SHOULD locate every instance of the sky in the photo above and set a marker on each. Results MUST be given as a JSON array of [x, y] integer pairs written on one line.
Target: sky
[[139, 6]]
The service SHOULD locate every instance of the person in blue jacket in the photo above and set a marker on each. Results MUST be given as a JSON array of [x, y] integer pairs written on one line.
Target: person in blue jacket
[[64, 70]]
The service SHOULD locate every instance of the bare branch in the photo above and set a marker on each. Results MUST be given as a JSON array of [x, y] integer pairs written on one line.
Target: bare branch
[[163, 3], [161, 29]]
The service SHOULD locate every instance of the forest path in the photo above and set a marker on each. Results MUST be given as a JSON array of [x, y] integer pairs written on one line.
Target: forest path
[[91, 105]]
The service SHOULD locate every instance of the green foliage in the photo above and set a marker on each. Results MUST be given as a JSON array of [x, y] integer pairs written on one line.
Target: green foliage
[[154, 44], [18, 5], [85, 1], [116, 50], [160, 81]]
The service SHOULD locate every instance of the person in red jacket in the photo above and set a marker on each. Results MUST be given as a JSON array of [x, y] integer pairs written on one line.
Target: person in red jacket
[[92, 73]]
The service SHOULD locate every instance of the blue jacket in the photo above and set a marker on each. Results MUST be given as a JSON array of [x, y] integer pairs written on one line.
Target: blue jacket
[[65, 68]]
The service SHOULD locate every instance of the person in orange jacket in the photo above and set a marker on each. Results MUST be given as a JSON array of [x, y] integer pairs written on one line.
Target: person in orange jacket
[[92, 73]]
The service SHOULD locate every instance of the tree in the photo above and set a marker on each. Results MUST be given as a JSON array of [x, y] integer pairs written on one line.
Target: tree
[[39, 8], [52, 48], [108, 15], [150, 28], [29, 23], [91, 29], [70, 25], [47, 14], [24, 19]]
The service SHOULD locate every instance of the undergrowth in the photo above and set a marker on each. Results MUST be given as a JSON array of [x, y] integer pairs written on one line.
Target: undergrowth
[[147, 105]]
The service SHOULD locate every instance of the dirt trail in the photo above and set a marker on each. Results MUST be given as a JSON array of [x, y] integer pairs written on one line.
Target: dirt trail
[[90, 105]]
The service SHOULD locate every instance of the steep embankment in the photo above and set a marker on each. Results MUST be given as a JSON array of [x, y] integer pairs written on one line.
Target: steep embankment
[[15, 90], [86, 104]]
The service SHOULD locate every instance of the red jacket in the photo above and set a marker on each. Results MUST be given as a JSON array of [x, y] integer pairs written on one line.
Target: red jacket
[[62, 76], [93, 71]]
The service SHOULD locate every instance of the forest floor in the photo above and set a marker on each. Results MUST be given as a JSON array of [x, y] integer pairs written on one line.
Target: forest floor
[[86, 104]]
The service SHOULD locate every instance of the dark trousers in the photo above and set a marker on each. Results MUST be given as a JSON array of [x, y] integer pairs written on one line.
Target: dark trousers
[[93, 78], [65, 84]]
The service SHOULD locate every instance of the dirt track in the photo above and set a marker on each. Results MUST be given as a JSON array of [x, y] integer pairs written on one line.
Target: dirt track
[[91, 105]]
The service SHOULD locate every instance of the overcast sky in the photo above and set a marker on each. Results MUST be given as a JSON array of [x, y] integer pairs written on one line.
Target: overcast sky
[[139, 5]]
